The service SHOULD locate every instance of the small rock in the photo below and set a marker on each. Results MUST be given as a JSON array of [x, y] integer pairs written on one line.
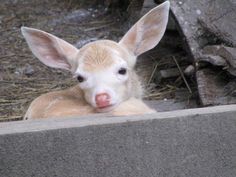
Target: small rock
[[189, 71], [29, 70], [214, 60], [198, 11], [19, 71], [167, 73]]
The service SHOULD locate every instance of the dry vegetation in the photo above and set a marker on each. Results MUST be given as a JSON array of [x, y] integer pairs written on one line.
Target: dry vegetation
[[22, 77]]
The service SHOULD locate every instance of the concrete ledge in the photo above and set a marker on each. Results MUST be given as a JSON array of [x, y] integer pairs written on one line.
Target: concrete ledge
[[50, 124], [195, 142]]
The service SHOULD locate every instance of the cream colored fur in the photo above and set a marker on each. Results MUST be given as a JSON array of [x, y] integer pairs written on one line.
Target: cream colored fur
[[98, 63]]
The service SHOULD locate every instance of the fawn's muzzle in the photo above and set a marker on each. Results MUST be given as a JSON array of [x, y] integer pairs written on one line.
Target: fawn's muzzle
[[102, 100]]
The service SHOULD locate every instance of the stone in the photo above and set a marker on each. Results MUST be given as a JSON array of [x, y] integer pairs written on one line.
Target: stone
[[205, 22], [167, 73], [189, 70], [229, 54], [211, 87], [214, 60]]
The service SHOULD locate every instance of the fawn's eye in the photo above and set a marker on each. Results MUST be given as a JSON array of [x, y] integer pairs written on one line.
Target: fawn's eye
[[122, 71], [80, 78]]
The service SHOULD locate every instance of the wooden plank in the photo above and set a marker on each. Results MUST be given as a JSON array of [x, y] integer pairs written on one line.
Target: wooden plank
[[214, 88], [217, 25]]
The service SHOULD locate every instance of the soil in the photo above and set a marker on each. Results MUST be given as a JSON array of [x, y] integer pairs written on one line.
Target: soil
[[23, 77]]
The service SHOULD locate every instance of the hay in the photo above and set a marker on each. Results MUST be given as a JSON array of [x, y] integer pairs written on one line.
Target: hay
[[23, 77]]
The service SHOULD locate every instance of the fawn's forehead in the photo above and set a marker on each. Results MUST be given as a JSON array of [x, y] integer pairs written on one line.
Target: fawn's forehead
[[100, 55]]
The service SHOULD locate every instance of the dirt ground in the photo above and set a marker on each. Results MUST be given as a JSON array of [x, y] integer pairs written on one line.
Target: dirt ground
[[23, 77]]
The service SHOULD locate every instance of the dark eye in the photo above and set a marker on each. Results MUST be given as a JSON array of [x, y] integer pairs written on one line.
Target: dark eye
[[122, 71], [80, 78]]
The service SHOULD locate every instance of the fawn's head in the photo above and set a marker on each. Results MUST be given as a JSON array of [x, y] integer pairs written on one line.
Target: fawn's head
[[104, 68]]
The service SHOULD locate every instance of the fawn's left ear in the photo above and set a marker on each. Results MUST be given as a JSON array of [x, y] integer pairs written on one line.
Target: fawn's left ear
[[49, 49], [148, 31]]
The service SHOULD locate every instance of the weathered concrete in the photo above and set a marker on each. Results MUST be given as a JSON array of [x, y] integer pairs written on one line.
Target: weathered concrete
[[196, 142]]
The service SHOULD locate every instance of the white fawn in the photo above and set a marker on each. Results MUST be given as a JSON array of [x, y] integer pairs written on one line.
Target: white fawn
[[107, 81]]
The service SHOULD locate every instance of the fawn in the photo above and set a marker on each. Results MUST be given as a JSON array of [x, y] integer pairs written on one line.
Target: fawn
[[104, 69]]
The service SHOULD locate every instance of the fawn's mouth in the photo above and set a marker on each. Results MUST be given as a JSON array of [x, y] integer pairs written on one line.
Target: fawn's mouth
[[106, 108]]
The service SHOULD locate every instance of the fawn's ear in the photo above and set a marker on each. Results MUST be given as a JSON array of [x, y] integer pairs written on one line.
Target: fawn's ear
[[148, 31], [49, 49]]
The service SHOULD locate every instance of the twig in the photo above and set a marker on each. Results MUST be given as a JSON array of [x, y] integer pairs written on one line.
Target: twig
[[182, 75], [97, 27], [6, 56], [10, 118], [152, 74]]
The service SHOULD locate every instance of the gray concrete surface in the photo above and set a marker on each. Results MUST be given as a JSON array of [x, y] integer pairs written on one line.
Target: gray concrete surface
[[185, 143]]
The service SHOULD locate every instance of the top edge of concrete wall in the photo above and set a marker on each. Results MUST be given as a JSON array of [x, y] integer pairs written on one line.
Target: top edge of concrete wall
[[101, 119]]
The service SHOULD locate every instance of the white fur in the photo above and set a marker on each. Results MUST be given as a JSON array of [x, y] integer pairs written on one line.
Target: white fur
[[111, 83], [57, 53]]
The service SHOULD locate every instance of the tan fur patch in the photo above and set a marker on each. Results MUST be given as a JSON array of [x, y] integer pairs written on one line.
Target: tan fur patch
[[99, 55]]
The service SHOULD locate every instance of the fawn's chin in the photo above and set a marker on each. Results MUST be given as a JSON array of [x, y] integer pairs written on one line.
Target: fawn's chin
[[106, 109]]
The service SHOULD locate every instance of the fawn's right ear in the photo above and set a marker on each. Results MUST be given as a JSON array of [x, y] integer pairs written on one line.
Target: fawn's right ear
[[49, 49], [148, 31]]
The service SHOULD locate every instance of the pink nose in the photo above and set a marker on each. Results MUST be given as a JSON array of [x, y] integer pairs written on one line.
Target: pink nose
[[102, 100]]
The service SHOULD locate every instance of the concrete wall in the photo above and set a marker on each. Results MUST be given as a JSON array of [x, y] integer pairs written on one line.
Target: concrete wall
[[187, 143]]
